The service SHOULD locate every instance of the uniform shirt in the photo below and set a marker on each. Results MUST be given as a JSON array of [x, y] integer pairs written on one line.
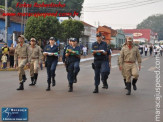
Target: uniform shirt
[[35, 53], [101, 46], [73, 57], [108, 53], [129, 55], [21, 51], [64, 53], [118, 61], [53, 49]]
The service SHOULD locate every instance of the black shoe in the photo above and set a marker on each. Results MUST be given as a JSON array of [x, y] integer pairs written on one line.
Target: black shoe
[[96, 90], [48, 89], [21, 87], [134, 84], [70, 88], [24, 78], [35, 78], [128, 88], [32, 81]]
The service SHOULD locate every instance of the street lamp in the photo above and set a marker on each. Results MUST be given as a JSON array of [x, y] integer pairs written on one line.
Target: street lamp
[[6, 21]]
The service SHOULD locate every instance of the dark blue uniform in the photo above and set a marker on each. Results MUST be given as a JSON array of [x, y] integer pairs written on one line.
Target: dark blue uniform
[[73, 64], [51, 62], [100, 61], [105, 73], [64, 53]]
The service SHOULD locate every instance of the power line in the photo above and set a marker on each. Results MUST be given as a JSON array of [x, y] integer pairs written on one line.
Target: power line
[[117, 3], [121, 5], [125, 7]]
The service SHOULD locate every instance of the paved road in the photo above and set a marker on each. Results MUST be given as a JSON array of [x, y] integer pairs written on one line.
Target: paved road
[[82, 105]]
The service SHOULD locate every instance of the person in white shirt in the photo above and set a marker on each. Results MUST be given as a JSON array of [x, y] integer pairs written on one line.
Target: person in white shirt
[[155, 50], [84, 51], [146, 50]]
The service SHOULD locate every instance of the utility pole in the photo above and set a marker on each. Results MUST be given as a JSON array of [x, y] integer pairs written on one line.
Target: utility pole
[[6, 21]]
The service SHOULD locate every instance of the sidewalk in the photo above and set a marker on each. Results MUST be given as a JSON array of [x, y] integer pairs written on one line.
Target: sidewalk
[[83, 59]]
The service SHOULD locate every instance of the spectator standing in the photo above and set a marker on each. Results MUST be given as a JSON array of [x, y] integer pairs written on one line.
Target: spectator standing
[[11, 54], [84, 51]]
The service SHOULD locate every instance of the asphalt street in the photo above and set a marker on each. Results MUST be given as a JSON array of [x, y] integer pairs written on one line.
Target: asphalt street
[[58, 105]]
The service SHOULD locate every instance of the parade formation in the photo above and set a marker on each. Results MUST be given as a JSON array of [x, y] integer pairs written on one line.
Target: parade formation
[[30, 55]]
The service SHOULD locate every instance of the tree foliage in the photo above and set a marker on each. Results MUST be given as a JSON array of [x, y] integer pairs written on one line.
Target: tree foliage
[[42, 28], [72, 28], [155, 23]]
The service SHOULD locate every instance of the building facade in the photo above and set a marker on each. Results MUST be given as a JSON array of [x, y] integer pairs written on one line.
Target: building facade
[[139, 35], [14, 28], [89, 36]]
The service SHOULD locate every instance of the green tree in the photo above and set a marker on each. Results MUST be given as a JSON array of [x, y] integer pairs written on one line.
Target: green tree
[[42, 28], [155, 23], [72, 28]]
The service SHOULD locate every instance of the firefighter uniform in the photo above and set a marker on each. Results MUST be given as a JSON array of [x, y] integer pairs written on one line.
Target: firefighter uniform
[[21, 58], [122, 71], [35, 58], [128, 58]]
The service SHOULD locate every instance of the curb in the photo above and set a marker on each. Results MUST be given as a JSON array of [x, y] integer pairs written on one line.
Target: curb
[[59, 63]]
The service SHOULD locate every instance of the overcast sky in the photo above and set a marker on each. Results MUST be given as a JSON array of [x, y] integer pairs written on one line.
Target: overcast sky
[[120, 18]]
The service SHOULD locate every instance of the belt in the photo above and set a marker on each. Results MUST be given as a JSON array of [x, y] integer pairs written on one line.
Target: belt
[[35, 58], [129, 62], [22, 57]]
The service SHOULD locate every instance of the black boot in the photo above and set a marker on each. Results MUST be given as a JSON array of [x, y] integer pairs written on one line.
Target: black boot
[[96, 89], [21, 87], [128, 88], [105, 85], [53, 81], [24, 78], [75, 79], [71, 87], [134, 84], [35, 78], [32, 81], [125, 83], [48, 89]]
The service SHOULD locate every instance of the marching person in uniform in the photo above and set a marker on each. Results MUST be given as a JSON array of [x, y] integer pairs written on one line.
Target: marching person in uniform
[[99, 51], [122, 71], [129, 55], [35, 58], [21, 59], [51, 53], [104, 75], [64, 59], [73, 57]]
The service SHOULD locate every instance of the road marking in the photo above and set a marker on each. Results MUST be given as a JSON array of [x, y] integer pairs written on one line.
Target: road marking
[[114, 66], [152, 68], [145, 59]]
